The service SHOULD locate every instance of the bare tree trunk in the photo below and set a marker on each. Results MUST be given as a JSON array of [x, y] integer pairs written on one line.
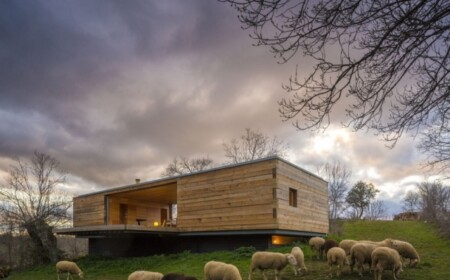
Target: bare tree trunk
[[11, 242], [43, 240]]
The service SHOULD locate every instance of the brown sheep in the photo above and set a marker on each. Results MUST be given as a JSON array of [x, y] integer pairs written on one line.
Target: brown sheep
[[329, 243]]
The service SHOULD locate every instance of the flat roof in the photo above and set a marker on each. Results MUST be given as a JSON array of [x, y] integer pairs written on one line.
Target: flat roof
[[171, 179]]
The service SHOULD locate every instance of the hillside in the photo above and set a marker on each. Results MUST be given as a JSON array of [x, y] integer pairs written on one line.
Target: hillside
[[433, 250]]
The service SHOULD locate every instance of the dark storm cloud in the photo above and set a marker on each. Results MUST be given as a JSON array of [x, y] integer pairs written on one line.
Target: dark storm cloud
[[115, 89], [49, 65], [44, 57], [56, 53], [109, 87]]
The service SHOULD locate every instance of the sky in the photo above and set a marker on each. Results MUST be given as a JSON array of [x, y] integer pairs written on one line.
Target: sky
[[114, 90]]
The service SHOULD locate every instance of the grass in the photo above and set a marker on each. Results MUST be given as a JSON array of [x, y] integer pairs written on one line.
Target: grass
[[433, 250]]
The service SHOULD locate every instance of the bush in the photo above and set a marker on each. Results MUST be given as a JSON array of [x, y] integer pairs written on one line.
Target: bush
[[245, 251]]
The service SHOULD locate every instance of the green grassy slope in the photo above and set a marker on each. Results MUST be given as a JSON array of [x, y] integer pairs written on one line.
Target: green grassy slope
[[434, 253]]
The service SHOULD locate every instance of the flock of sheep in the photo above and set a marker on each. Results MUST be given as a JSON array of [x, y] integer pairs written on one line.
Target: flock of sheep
[[383, 255], [380, 256]]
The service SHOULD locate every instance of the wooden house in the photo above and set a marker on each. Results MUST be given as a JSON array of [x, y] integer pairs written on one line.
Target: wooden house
[[259, 203]]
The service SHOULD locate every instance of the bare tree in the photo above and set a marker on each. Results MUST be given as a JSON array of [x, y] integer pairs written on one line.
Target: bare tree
[[359, 197], [30, 199], [387, 59], [411, 201], [252, 145], [183, 165], [376, 210], [434, 200], [338, 176], [436, 143]]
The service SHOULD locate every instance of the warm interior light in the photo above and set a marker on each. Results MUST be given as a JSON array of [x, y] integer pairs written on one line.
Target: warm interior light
[[283, 240], [276, 240], [155, 223]]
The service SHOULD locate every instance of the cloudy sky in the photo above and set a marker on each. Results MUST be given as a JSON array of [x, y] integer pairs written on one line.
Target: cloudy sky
[[116, 89]]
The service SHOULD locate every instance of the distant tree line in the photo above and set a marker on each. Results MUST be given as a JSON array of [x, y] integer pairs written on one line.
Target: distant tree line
[[432, 201], [350, 201]]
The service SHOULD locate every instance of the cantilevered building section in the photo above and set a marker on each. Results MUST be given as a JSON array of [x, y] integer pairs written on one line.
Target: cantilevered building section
[[259, 203]]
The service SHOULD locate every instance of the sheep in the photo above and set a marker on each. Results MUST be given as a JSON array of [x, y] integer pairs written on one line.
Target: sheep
[[300, 257], [384, 243], [337, 256], [368, 241], [69, 267], [347, 244], [386, 258], [406, 250], [329, 243], [221, 271], [361, 253], [176, 276], [316, 243], [145, 275], [270, 260]]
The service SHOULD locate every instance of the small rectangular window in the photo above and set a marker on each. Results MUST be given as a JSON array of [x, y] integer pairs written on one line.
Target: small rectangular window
[[293, 197]]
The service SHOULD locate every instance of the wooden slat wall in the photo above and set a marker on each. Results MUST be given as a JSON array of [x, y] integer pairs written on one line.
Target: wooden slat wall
[[89, 210], [311, 213], [237, 198], [245, 197]]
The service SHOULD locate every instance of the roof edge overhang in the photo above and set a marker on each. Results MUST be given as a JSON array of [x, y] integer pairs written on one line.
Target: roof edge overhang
[[102, 231], [253, 232], [114, 230], [174, 179]]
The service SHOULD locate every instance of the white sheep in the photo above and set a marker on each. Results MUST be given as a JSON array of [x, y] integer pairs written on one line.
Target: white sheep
[[69, 268], [406, 250], [384, 258], [316, 243], [300, 257], [214, 270], [145, 275], [384, 243], [347, 244], [361, 253], [336, 256], [270, 260]]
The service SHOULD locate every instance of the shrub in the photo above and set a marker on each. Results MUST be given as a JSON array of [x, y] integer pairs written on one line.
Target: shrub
[[245, 251]]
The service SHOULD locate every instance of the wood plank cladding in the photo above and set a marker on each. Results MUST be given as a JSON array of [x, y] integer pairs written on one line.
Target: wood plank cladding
[[89, 210], [237, 198], [256, 195], [148, 212], [311, 212]]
